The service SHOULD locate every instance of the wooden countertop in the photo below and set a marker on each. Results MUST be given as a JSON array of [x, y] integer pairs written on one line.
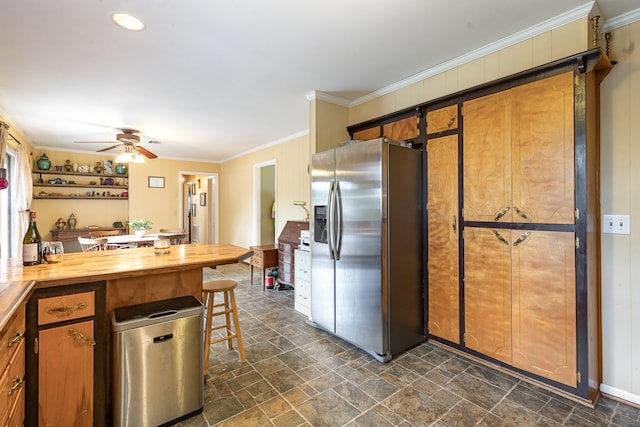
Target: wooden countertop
[[16, 281]]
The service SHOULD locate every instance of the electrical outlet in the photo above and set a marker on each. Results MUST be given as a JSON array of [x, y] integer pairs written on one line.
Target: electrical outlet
[[616, 224]]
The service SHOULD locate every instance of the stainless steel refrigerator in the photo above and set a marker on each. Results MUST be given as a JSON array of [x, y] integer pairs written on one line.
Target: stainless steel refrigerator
[[366, 245]]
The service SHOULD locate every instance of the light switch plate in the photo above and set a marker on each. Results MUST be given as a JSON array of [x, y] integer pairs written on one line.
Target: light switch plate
[[616, 224]]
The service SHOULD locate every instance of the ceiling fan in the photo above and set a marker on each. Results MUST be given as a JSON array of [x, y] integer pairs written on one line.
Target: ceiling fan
[[129, 143]]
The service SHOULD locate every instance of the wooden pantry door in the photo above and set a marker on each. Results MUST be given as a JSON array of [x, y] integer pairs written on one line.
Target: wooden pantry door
[[542, 151], [487, 158], [487, 292], [442, 246], [544, 304]]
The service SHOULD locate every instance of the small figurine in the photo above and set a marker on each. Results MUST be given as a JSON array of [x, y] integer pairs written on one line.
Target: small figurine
[[98, 167], [60, 223], [72, 222], [68, 167]]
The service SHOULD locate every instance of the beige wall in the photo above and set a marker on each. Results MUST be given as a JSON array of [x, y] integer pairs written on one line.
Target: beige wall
[[328, 125], [236, 189], [620, 194], [552, 45]]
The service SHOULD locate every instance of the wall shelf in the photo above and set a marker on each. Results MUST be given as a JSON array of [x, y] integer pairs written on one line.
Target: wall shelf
[[114, 187]]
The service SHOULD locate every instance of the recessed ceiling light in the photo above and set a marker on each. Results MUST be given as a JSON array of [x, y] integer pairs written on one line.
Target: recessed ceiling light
[[127, 21]]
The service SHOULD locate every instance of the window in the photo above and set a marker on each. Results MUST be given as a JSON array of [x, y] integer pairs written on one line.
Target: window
[[8, 214]]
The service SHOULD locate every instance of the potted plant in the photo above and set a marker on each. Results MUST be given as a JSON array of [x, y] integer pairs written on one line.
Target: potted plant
[[139, 226]]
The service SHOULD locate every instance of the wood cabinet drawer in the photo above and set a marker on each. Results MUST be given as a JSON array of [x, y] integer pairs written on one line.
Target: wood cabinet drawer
[[11, 336], [16, 414], [66, 307], [11, 382], [442, 119]]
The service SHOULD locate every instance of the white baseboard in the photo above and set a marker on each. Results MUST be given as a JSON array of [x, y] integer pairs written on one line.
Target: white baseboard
[[620, 394]]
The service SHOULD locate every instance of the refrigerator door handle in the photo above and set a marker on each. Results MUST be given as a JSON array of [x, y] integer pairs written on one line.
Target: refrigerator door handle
[[338, 218], [330, 234]]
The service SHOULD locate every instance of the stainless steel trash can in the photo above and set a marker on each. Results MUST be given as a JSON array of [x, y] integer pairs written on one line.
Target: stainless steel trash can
[[158, 362]]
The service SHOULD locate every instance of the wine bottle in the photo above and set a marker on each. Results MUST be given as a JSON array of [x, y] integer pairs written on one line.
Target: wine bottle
[[32, 243]]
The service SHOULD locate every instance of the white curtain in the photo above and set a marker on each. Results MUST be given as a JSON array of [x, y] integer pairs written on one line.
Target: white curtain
[[4, 135], [22, 187]]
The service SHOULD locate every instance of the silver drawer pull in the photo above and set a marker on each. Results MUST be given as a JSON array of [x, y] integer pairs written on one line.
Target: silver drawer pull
[[17, 386], [16, 339]]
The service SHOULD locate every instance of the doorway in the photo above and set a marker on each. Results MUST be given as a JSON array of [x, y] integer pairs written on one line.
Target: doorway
[[198, 196], [264, 203]]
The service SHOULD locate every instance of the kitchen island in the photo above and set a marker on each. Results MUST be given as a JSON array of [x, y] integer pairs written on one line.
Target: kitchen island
[[81, 292]]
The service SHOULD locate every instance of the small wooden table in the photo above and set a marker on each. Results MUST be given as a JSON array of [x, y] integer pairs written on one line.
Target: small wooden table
[[264, 256]]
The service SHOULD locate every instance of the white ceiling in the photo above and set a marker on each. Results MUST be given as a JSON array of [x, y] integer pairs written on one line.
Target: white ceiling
[[211, 79]]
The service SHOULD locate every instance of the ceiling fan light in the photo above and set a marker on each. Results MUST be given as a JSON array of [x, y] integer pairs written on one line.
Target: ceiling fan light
[[124, 157], [138, 159], [128, 21]]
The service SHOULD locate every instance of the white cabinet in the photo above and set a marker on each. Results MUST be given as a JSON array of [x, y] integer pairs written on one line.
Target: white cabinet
[[302, 285]]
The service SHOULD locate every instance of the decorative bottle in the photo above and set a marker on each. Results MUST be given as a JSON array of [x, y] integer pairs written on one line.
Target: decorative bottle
[[72, 222], [32, 243]]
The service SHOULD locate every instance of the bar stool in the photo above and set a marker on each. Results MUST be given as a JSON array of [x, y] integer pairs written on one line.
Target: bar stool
[[209, 290]]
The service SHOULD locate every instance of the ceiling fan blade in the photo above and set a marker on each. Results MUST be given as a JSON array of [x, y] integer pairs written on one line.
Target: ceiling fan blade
[[144, 151], [109, 148]]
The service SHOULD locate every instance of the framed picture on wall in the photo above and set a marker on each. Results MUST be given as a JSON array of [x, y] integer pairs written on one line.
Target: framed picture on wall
[[156, 182], [203, 199]]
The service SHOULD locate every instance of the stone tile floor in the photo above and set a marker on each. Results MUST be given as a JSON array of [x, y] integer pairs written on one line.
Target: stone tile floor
[[296, 375]]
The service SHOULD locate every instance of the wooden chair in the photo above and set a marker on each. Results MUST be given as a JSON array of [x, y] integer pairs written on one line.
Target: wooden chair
[[175, 238], [98, 234], [228, 308], [172, 230], [92, 245]]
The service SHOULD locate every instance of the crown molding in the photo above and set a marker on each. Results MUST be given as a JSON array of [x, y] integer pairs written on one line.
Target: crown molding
[[270, 144], [621, 20], [323, 96], [549, 24]]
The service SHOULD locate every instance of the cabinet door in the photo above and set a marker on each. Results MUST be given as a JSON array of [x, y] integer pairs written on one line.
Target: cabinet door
[[487, 292], [442, 246], [367, 134], [65, 379], [487, 158], [543, 151], [442, 119], [402, 130], [544, 305]]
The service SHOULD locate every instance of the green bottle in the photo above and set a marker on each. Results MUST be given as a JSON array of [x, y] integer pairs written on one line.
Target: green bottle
[[32, 243]]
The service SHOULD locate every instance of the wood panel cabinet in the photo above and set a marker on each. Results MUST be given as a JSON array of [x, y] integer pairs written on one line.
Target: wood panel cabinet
[[12, 371], [520, 303], [401, 130], [442, 244], [519, 154], [66, 357], [529, 232], [442, 119]]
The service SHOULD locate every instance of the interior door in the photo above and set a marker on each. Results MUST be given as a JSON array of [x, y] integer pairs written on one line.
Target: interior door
[[442, 246], [487, 292]]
